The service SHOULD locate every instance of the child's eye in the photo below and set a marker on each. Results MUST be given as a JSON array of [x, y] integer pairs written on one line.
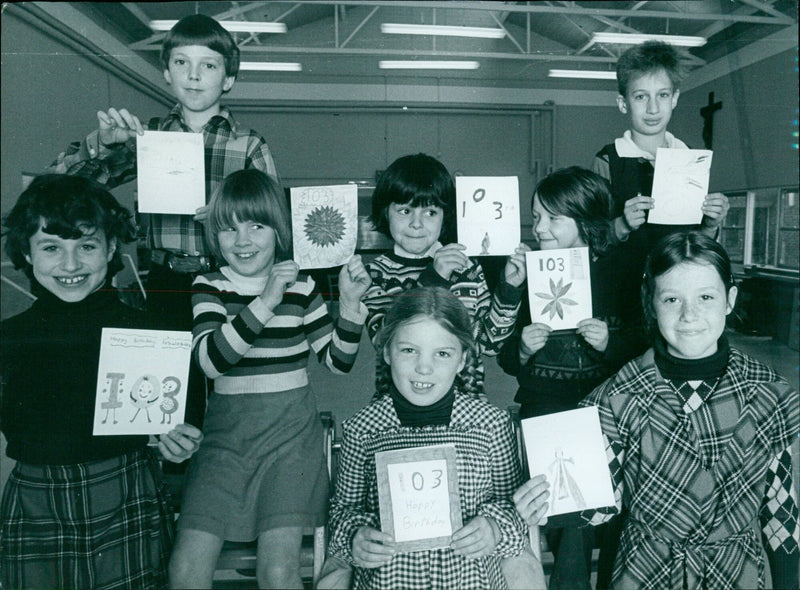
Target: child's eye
[[179, 62], [706, 297], [211, 66], [666, 94], [444, 354], [229, 228], [670, 299], [257, 226], [431, 212], [404, 210], [639, 97], [407, 350], [49, 248], [89, 247]]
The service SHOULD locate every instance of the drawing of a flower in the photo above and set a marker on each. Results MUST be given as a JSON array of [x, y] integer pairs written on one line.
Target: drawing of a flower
[[324, 226], [556, 298]]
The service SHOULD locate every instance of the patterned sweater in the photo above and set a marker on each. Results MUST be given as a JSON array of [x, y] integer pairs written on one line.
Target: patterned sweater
[[691, 521], [246, 348], [493, 315], [488, 474]]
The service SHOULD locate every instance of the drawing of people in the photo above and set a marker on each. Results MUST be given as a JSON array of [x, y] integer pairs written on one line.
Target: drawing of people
[[144, 393], [565, 487]]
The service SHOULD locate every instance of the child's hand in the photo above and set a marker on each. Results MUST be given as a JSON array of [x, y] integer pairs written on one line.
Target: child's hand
[[180, 443], [450, 258], [715, 208], [531, 500], [372, 548], [635, 211], [117, 126], [201, 214], [477, 538], [281, 276], [354, 280], [533, 339], [595, 332], [515, 267]]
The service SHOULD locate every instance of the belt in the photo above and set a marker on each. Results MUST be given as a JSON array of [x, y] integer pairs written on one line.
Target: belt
[[181, 263]]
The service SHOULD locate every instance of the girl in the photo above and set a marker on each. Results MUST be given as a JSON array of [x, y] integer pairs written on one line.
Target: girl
[[260, 471], [78, 511], [426, 386], [414, 204], [572, 208], [698, 436]]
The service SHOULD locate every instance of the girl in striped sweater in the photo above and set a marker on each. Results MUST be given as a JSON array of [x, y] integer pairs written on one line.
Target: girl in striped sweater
[[260, 472]]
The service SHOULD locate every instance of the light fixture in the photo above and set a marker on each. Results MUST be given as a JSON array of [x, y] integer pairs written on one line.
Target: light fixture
[[243, 26], [443, 30], [584, 74], [637, 38], [271, 66], [427, 65]]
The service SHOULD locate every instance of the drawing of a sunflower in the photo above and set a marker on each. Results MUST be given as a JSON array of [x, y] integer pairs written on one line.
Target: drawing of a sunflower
[[556, 298], [324, 226]]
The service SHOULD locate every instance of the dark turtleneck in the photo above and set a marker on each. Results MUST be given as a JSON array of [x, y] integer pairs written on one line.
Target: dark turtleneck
[[436, 414], [49, 370], [678, 369]]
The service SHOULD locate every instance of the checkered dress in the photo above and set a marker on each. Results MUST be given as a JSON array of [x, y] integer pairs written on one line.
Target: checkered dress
[[697, 474], [488, 472]]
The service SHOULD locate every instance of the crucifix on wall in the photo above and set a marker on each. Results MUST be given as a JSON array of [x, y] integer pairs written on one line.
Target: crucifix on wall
[[707, 112]]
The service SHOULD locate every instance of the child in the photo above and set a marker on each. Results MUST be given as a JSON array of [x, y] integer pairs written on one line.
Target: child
[[200, 61], [260, 471], [572, 208], [426, 386], [414, 204], [698, 437], [78, 511]]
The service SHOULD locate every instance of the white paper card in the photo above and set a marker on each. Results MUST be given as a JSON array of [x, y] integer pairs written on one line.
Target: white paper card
[[568, 448], [680, 184], [141, 381], [324, 224], [171, 174], [488, 214], [420, 502], [559, 287]]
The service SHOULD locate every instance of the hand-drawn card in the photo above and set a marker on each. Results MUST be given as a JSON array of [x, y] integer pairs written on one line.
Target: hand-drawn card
[[559, 287], [324, 224], [418, 494], [488, 214], [141, 381], [568, 448], [680, 184], [171, 172]]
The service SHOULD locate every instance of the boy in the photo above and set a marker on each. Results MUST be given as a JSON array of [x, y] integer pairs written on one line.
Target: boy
[[200, 61]]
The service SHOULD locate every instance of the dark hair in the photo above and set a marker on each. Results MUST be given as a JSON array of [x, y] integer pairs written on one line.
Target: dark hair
[[649, 57], [445, 309], [68, 207], [199, 29], [585, 197], [418, 180], [250, 195], [674, 249]]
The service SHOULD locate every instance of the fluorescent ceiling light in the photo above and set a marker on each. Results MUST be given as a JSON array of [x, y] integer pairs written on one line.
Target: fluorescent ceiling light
[[271, 66], [447, 31], [584, 74], [636, 38], [232, 26], [428, 65]]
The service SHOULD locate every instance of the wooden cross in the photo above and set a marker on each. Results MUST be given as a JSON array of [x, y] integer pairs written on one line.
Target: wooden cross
[[707, 112]]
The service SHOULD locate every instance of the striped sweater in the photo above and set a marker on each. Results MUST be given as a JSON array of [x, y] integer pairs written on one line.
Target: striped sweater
[[493, 316], [247, 348]]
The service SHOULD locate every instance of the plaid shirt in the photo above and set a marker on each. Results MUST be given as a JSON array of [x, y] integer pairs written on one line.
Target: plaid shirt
[[695, 478], [228, 148], [488, 474]]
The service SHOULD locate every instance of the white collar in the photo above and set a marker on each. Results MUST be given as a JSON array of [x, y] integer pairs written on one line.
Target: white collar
[[627, 148], [431, 251], [244, 285]]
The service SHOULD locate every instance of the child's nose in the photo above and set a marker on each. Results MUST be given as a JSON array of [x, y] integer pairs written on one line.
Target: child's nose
[[194, 72], [652, 106], [688, 310], [416, 219], [242, 237], [70, 260], [424, 366]]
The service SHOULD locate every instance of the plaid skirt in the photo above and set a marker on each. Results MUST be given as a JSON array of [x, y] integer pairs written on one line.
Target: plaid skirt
[[101, 525]]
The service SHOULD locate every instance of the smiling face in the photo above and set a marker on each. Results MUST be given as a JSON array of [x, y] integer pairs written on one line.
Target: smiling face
[[198, 79], [649, 102], [70, 269], [415, 229], [424, 359], [248, 247], [554, 231], [690, 306]]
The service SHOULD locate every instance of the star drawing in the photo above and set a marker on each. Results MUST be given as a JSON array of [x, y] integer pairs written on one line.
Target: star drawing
[[324, 226], [556, 298]]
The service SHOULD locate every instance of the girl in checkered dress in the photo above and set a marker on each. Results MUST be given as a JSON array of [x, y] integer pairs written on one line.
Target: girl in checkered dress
[[78, 511], [426, 374], [698, 435]]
